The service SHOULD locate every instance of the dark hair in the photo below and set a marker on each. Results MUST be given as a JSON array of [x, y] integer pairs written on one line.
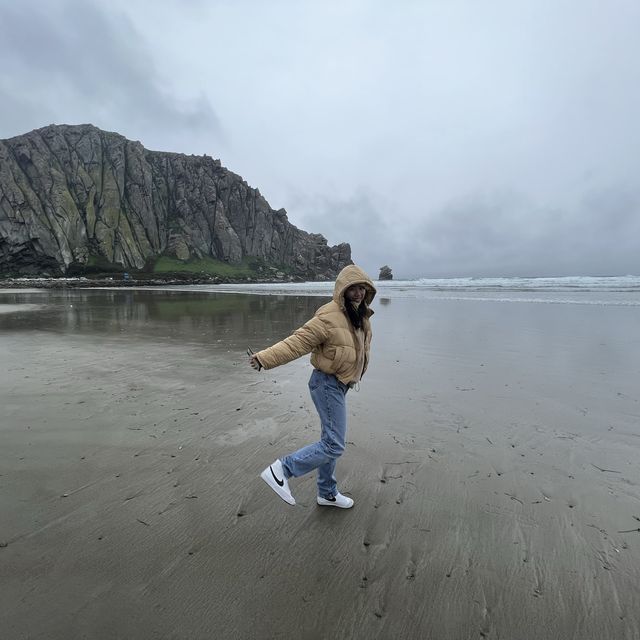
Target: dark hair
[[356, 315]]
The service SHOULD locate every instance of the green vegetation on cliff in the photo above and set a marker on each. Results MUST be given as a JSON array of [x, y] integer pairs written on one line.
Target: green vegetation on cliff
[[209, 266]]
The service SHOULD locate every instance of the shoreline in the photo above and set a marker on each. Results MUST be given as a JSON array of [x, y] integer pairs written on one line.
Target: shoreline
[[86, 283]]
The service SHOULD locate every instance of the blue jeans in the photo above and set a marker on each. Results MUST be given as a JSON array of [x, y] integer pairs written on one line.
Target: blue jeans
[[329, 395]]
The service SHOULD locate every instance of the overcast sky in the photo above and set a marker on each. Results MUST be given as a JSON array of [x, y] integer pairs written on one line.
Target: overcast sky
[[441, 137]]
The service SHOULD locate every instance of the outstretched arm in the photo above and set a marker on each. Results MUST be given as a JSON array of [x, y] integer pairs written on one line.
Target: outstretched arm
[[299, 343]]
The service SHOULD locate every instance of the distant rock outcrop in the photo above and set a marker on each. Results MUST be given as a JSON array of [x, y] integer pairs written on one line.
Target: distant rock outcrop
[[72, 196], [385, 273]]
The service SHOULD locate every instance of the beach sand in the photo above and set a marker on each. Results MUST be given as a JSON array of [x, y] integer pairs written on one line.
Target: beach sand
[[492, 455]]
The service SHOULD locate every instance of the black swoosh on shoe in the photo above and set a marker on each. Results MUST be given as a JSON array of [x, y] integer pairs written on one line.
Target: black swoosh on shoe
[[280, 483]]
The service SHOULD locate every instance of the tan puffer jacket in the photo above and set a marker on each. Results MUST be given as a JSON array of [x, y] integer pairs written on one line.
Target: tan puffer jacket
[[329, 336]]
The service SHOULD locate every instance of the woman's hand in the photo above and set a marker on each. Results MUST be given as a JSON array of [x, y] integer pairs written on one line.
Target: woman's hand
[[255, 363]]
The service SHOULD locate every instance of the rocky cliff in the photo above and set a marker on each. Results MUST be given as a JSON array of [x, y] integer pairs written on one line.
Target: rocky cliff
[[76, 196]]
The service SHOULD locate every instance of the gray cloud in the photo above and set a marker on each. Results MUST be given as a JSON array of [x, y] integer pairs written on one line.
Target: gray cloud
[[456, 138], [486, 234], [73, 61], [359, 219], [490, 234]]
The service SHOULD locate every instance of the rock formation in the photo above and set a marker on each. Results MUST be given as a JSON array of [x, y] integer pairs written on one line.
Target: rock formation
[[385, 273], [73, 196]]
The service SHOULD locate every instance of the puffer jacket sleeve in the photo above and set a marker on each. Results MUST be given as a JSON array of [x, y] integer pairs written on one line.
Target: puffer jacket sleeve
[[299, 343]]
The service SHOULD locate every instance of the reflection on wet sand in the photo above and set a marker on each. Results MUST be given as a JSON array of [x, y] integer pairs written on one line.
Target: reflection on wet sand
[[185, 317]]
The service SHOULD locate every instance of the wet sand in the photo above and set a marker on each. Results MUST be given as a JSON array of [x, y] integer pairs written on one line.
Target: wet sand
[[492, 453]]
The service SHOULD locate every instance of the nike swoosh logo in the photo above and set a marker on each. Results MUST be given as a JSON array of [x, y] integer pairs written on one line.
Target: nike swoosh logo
[[280, 483]]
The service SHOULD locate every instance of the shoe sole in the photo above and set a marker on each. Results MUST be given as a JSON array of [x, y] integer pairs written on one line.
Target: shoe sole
[[326, 503], [266, 476]]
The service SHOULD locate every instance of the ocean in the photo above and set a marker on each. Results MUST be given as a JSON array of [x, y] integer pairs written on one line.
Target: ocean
[[587, 290]]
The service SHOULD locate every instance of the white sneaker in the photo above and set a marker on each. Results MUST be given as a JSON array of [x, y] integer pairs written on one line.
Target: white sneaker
[[273, 475], [337, 501]]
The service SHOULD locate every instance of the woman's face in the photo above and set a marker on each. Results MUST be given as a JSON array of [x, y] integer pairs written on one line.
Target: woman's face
[[356, 293]]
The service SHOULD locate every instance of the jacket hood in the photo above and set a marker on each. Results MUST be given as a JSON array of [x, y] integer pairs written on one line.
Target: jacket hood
[[352, 274]]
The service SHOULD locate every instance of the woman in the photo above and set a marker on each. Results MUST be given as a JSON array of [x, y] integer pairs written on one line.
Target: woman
[[338, 337]]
